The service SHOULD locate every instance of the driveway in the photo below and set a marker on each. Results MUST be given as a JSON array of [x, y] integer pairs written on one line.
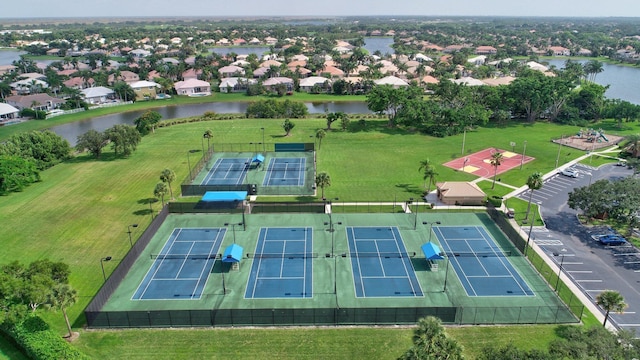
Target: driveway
[[591, 266]]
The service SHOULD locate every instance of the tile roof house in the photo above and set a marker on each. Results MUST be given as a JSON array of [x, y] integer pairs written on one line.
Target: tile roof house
[[145, 90], [192, 87], [271, 83], [8, 111], [559, 51], [391, 80], [331, 71], [235, 84], [191, 74], [36, 102], [98, 95], [230, 71], [79, 83], [460, 193], [125, 75], [486, 50], [315, 82]]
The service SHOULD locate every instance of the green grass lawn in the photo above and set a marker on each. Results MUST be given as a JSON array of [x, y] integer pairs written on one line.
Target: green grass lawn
[[80, 211]]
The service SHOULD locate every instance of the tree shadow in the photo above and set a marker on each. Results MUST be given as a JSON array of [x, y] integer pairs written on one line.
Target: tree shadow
[[88, 157], [149, 207], [411, 189]]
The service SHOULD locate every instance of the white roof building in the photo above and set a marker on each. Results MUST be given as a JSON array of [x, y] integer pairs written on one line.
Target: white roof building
[[8, 112], [391, 80], [469, 81]]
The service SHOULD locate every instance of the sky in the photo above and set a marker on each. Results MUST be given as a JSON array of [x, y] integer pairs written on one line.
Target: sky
[[235, 8]]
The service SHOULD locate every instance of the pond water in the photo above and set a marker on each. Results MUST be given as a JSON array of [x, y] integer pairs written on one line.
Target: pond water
[[9, 56], [378, 43], [622, 80], [71, 131]]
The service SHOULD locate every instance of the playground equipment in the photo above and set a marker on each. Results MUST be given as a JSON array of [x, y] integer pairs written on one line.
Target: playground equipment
[[593, 135]]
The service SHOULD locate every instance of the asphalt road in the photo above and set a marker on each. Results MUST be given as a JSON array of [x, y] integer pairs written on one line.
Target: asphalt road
[[591, 266]]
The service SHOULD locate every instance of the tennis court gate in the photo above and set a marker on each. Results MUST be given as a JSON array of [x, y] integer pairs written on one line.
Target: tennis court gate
[[512, 234]]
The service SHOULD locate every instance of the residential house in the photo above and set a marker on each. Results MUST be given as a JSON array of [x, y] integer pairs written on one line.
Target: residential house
[[478, 60], [486, 50], [98, 95], [468, 81], [8, 112], [584, 52], [460, 193], [235, 84], [55, 52], [230, 71], [271, 83], [79, 83], [332, 72], [28, 86], [270, 40], [192, 74], [5, 69], [193, 87], [504, 80], [422, 58], [125, 75], [140, 53], [145, 90], [315, 84], [270, 63], [452, 48], [43, 102], [254, 41], [396, 82], [559, 51], [260, 72]]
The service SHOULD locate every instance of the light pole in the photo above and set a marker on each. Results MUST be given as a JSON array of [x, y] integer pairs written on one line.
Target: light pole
[[189, 163], [331, 229], [559, 148], [102, 260], [431, 226], [533, 220], [233, 229], [464, 164], [129, 232], [524, 150], [264, 150], [327, 206], [446, 273], [555, 288], [464, 138]]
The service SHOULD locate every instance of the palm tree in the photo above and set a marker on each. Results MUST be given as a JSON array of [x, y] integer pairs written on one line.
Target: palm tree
[[534, 182], [160, 191], [323, 180], [496, 160], [610, 300], [428, 172], [168, 176], [320, 134], [61, 297], [208, 134]]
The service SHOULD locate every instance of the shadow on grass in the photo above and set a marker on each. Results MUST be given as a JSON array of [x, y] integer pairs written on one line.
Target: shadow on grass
[[87, 157], [149, 208], [411, 189]]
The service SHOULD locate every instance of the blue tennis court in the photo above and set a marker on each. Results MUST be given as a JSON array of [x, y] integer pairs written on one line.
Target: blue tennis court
[[282, 265], [380, 262], [181, 270], [481, 265], [285, 172], [227, 171]]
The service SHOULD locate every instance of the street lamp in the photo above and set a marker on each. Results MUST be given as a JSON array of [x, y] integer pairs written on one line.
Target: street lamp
[[129, 231], [446, 272], [331, 229], [559, 148], [264, 150], [464, 164], [102, 260], [189, 163], [555, 288], [233, 229], [533, 220], [464, 138], [328, 203], [430, 226], [524, 150]]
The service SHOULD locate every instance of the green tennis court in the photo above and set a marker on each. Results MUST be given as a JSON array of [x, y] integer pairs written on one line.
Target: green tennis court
[[330, 291]]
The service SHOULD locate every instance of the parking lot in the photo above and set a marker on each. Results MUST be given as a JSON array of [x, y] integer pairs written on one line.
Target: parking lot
[[591, 266]]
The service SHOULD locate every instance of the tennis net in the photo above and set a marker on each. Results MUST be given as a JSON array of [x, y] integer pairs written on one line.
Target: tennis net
[[386, 255], [282, 256], [234, 167], [286, 168], [184, 256], [480, 254]]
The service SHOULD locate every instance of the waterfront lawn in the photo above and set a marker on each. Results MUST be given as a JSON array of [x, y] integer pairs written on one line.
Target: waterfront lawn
[[80, 211]]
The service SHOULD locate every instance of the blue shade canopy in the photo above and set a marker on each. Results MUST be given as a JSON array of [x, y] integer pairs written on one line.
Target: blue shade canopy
[[224, 196], [431, 251], [257, 158], [232, 253]]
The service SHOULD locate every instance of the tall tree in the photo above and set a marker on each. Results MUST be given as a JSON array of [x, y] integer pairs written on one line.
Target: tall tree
[[147, 122], [323, 180], [93, 141], [160, 191], [534, 182], [610, 301], [320, 134], [633, 144], [124, 139], [431, 342], [496, 161], [61, 297], [428, 172], [168, 176], [287, 125], [208, 134]]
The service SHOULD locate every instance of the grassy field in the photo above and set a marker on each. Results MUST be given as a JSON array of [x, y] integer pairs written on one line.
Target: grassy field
[[80, 211]]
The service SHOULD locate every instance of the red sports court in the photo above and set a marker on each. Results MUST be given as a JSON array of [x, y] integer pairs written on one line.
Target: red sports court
[[479, 163]]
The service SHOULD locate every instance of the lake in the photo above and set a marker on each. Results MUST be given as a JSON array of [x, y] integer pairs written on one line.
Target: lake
[[9, 56], [378, 43], [622, 80], [71, 131]]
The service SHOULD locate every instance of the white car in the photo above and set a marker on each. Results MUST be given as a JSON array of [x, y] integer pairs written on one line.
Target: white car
[[570, 172]]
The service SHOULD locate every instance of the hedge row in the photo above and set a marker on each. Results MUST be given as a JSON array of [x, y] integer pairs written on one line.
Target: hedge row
[[39, 342]]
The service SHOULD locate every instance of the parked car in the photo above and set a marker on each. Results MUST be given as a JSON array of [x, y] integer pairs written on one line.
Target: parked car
[[621, 163], [610, 239], [570, 172]]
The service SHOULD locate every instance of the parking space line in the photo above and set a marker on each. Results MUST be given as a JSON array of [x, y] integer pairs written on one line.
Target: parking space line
[[580, 271], [572, 263], [589, 280], [595, 290], [631, 262], [626, 254]]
